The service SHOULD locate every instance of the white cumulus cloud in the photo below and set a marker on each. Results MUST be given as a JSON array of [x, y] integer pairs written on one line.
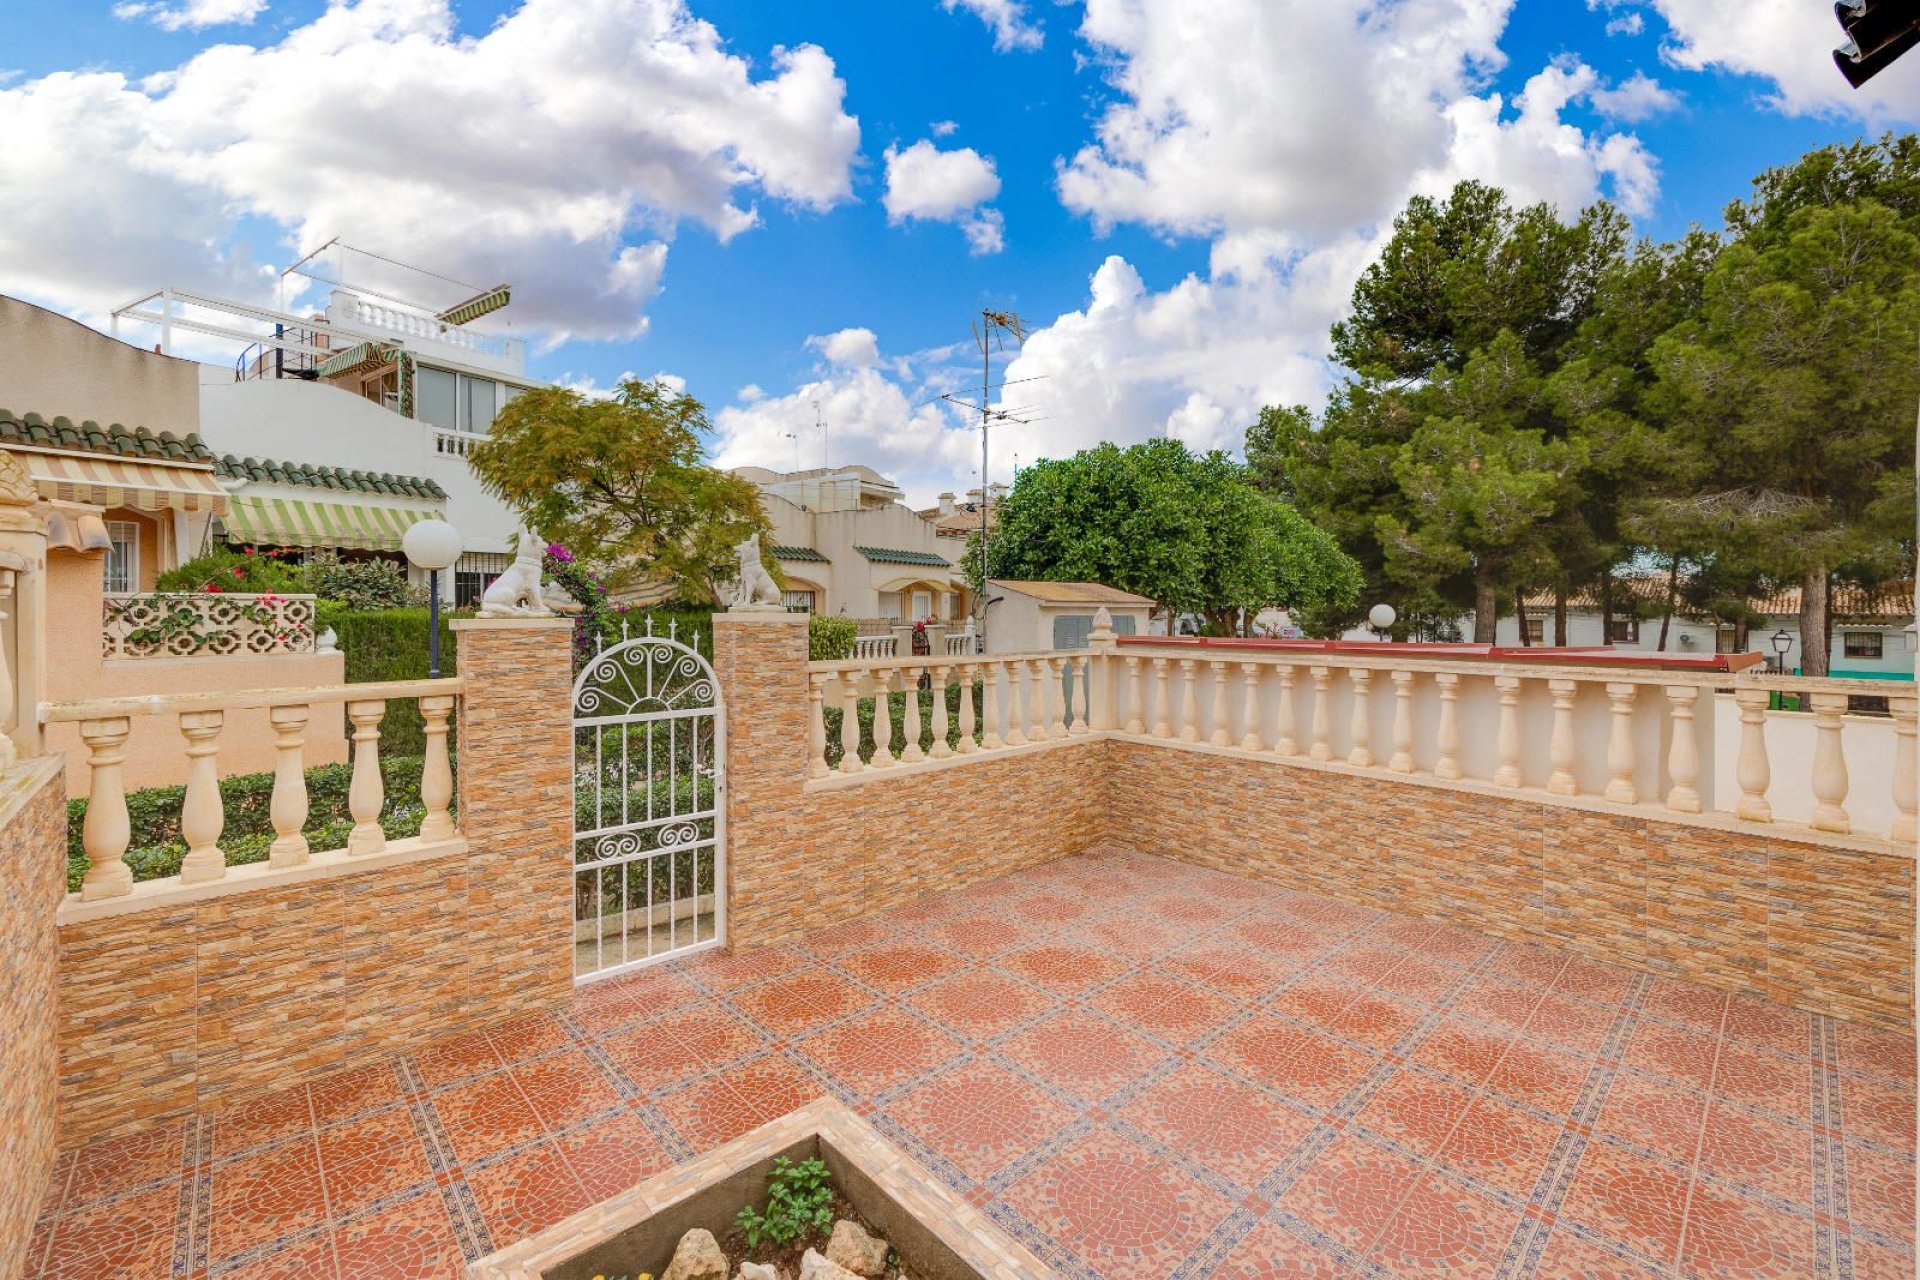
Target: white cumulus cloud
[[559, 151], [850, 348], [926, 183], [191, 15], [1788, 43], [1007, 19]]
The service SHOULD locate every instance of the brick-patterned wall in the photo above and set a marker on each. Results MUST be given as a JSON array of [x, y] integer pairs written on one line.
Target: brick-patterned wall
[[800, 860], [1824, 928], [177, 1008], [33, 818]]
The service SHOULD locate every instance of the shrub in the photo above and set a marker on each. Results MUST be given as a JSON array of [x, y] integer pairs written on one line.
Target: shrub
[[248, 572], [363, 585], [390, 644], [601, 622], [799, 1203], [830, 639]]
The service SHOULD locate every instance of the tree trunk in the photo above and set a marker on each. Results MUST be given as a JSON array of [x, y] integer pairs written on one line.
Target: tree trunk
[[1486, 609], [1560, 616], [1606, 605], [1520, 618], [1673, 596], [1814, 655]]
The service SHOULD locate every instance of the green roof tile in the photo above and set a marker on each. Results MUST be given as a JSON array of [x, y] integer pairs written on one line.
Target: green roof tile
[[891, 555], [339, 479], [90, 437], [807, 554]]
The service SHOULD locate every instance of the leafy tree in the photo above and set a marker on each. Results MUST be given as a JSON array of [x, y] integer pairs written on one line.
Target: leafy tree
[[1798, 378], [623, 481], [1191, 531]]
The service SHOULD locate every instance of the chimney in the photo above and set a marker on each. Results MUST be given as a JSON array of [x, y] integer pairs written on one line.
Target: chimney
[[946, 504]]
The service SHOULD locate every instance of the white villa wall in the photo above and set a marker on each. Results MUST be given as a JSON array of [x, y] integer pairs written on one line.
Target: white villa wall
[[1869, 744], [291, 420]]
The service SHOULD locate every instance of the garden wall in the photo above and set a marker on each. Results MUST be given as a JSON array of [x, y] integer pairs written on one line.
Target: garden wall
[[32, 882], [805, 855]]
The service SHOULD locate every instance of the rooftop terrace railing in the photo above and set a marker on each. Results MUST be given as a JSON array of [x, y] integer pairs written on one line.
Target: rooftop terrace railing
[[105, 725], [1632, 737]]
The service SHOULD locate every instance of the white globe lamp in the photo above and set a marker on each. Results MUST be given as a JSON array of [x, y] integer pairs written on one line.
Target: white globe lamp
[[1382, 617], [432, 545]]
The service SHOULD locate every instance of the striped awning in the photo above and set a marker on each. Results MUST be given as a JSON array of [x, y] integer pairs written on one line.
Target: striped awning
[[357, 359], [290, 522], [124, 482]]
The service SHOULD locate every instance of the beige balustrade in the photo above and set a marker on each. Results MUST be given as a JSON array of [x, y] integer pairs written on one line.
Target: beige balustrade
[[105, 725], [850, 722], [817, 766], [1591, 729], [882, 757]]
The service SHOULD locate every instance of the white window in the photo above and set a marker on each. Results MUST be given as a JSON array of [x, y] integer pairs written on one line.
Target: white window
[[123, 557], [457, 402], [922, 605], [800, 600], [1861, 644]]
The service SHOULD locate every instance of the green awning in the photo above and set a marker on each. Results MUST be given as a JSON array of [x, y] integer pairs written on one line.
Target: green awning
[[479, 305], [805, 554], [894, 555], [357, 359], [289, 522]]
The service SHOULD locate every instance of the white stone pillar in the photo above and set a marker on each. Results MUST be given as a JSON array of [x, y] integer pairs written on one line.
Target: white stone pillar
[[1751, 769], [817, 766], [1360, 725], [288, 808], [1221, 735], [367, 794], [1905, 765], [1507, 743], [1162, 700], [911, 751], [436, 774], [1830, 763], [1560, 744], [1189, 716], [1447, 734], [850, 722], [1322, 720], [1283, 715], [202, 816], [1134, 722], [941, 750], [105, 831], [1683, 753], [1621, 757]]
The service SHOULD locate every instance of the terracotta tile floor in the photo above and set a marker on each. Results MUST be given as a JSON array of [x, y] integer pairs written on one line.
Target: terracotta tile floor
[[1140, 1068]]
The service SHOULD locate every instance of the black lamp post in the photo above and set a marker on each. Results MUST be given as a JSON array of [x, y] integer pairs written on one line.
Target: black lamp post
[[1782, 642], [432, 545]]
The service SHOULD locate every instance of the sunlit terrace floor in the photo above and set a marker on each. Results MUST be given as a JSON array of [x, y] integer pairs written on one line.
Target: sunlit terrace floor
[[1140, 1068]]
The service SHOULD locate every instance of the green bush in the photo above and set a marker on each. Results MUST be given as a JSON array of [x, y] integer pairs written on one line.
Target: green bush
[[156, 846], [361, 584], [830, 639], [246, 572]]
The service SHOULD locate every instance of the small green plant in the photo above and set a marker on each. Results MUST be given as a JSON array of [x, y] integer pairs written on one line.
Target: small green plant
[[799, 1200], [830, 639]]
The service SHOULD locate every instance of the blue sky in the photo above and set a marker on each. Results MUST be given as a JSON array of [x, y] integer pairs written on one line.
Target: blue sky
[[1181, 193]]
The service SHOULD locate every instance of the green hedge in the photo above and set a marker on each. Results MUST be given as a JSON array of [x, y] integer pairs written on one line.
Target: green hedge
[[156, 846], [390, 644], [830, 639]]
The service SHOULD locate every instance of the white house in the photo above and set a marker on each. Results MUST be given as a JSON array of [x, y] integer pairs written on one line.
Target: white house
[[1033, 617]]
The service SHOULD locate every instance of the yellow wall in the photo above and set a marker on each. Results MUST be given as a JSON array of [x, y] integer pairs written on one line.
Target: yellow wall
[[54, 366]]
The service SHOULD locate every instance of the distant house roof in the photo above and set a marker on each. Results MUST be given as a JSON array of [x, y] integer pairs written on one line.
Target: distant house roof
[[339, 479], [964, 519], [806, 554], [1849, 602], [33, 431], [1069, 592], [893, 555]]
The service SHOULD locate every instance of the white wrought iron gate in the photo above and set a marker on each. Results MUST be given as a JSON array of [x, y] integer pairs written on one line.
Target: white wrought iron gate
[[649, 822]]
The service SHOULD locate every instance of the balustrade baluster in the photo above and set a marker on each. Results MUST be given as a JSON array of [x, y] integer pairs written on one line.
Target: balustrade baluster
[[1621, 762], [941, 750], [1751, 769], [1402, 761], [850, 722], [1829, 764], [367, 794], [1221, 736], [1360, 725], [1683, 753], [1019, 698], [910, 751], [1906, 713], [1560, 742], [882, 757], [1054, 705], [967, 745], [1135, 721], [1162, 700], [105, 831], [1446, 737], [1322, 721], [202, 816], [1042, 700], [1507, 742], [990, 738], [436, 776], [9, 750], [1283, 715], [817, 766], [1189, 713], [1080, 681], [1250, 706], [288, 808]]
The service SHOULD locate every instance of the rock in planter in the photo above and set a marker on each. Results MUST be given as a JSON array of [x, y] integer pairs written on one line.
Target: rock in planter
[[697, 1257], [851, 1247], [815, 1267], [759, 1271]]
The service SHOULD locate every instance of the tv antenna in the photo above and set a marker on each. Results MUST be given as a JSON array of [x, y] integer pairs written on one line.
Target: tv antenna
[[990, 334]]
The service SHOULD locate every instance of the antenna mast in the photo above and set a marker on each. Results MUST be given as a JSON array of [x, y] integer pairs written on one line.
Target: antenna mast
[[994, 326]]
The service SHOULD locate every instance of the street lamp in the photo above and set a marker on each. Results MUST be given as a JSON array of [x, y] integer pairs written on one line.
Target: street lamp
[[432, 545], [1382, 617], [1782, 642]]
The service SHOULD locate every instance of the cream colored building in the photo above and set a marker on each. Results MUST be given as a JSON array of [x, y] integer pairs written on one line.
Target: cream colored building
[[850, 548], [1037, 617]]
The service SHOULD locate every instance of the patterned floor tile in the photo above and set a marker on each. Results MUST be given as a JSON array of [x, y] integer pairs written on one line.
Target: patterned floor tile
[[1760, 1152], [707, 1113], [799, 1002], [132, 1235], [1873, 1051], [1625, 1197], [980, 1005], [899, 966], [1061, 967], [261, 1198], [1270, 1253], [457, 1059], [1166, 1007], [1756, 1078], [1086, 1056], [118, 1165], [1569, 1257], [528, 1036], [1731, 1237], [1540, 1077], [254, 1122], [486, 1116], [1878, 1111], [1238, 972], [565, 1088], [1225, 1126], [622, 1001], [309, 1258], [979, 1118], [413, 1240], [528, 1192], [1659, 1115], [1880, 1192], [680, 1045], [1308, 1067], [369, 1158], [876, 1051], [1417, 1112], [612, 1155], [1351, 1192], [1502, 1147], [346, 1094], [1444, 1229], [1118, 1208]]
